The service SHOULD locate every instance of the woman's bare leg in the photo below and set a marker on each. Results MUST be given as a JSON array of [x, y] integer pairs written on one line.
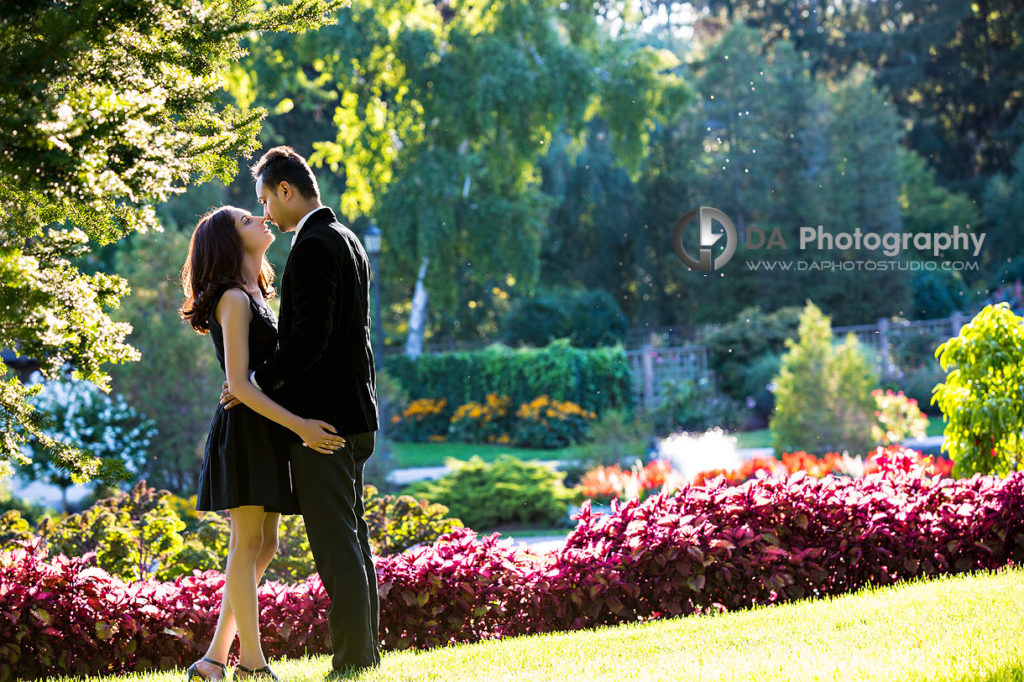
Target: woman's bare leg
[[224, 636]]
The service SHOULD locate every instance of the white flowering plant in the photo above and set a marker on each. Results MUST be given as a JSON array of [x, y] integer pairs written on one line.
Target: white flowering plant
[[104, 427]]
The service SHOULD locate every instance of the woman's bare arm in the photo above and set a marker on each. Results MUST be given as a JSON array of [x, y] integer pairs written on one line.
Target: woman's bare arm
[[234, 315]]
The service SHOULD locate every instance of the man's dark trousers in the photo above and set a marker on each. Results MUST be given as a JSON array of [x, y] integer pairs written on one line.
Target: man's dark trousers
[[330, 491]]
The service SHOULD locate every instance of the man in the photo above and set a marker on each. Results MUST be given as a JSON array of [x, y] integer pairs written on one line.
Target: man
[[323, 369]]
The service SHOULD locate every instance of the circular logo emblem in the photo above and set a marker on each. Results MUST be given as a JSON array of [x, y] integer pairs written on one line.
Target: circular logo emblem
[[705, 215]]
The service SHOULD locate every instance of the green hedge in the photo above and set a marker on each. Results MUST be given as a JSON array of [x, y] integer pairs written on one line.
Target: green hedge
[[596, 379]]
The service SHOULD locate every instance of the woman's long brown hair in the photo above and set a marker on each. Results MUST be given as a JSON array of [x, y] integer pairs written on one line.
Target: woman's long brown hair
[[214, 265]]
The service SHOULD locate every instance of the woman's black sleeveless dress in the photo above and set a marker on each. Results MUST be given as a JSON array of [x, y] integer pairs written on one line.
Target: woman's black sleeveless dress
[[246, 459]]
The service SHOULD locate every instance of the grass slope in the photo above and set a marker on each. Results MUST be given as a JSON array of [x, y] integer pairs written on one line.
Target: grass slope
[[968, 627]]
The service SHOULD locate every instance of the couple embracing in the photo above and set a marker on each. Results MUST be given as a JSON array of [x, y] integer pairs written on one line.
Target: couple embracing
[[298, 413]]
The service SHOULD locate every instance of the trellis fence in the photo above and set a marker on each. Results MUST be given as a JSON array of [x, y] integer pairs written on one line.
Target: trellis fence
[[895, 344]]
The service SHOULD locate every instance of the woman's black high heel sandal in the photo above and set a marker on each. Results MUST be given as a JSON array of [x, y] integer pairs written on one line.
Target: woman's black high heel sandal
[[265, 671], [193, 674]]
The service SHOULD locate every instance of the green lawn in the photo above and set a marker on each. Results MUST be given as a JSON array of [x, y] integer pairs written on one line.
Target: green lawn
[[936, 425], [409, 455], [762, 438], [433, 454], [959, 628]]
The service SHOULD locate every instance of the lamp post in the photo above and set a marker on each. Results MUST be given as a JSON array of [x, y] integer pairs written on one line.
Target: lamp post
[[372, 242]]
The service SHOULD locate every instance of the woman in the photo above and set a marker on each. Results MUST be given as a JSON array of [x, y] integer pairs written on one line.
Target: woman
[[227, 281]]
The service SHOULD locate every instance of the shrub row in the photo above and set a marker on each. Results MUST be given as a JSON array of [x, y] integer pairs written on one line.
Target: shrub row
[[66, 617], [595, 379], [709, 548], [706, 548]]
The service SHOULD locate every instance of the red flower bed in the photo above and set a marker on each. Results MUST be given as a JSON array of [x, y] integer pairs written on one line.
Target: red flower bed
[[831, 463], [704, 548], [605, 483]]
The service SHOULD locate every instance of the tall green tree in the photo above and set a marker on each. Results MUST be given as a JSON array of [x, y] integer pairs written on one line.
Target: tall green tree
[[587, 240], [753, 144], [864, 192], [441, 113], [107, 107], [1004, 206]]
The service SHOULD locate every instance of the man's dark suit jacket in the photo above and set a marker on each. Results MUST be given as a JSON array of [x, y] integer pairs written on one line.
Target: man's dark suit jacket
[[323, 366]]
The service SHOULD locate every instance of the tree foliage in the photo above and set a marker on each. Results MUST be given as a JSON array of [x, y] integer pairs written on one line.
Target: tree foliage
[[177, 384], [440, 115], [106, 108], [982, 398]]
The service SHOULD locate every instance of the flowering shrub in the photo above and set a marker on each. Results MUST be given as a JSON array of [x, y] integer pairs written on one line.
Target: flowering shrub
[[746, 471], [422, 419], [704, 548], [929, 465], [602, 484], [482, 422], [547, 423], [540, 423], [112, 433], [896, 417]]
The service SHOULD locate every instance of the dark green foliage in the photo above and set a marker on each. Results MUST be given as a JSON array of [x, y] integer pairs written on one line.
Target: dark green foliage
[[736, 345], [587, 318], [506, 491], [595, 379], [757, 384], [693, 406], [1004, 205], [535, 321], [936, 294]]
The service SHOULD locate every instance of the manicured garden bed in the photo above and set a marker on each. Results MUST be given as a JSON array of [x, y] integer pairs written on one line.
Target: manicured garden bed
[[704, 549]]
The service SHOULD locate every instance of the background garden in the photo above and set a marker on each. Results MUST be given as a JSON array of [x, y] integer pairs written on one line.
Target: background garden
[[547, 367]]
